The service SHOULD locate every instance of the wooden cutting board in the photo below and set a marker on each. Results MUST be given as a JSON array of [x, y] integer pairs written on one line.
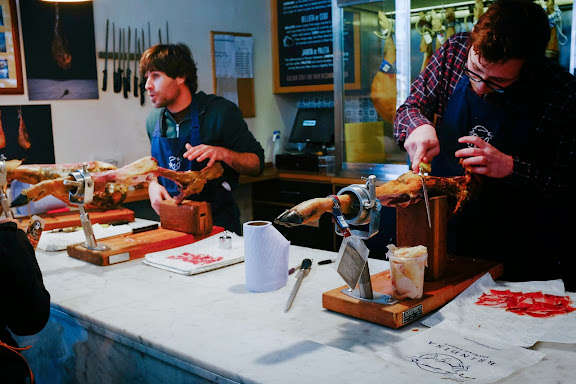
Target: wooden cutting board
[[134, 246], [460, 273], [72, 218]]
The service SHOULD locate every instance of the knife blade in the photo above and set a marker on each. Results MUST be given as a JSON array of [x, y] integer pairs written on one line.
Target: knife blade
[[302, 273], [128, 70], [426, 200]]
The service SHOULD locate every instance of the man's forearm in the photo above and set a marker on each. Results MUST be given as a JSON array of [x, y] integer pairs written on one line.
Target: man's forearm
[[244, 163]]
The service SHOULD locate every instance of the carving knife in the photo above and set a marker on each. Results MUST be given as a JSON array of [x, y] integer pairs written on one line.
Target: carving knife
[[105, 71], [128, 70], [136, 60], [302, 273], [426, 200]]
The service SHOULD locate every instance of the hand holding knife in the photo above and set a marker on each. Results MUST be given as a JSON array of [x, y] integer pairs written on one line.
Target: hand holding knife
[[302, 273]]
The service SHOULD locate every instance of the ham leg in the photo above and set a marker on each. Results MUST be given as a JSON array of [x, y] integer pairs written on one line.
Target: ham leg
[[405, 190], [111, 186]]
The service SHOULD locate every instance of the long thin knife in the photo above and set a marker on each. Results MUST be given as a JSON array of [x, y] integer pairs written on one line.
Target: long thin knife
[[302, 273], [105, 71], [425, 190]]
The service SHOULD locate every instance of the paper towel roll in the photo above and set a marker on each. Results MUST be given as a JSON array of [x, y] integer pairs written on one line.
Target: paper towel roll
[[265, 257]]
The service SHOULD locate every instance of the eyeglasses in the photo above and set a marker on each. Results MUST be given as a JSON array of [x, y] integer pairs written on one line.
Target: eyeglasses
[[479, 79]]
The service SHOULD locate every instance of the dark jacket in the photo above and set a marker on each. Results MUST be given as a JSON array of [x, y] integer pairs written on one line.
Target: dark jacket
[[25, 302]]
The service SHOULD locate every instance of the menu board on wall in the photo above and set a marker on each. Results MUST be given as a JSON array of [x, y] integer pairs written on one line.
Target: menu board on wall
[[303, 50]]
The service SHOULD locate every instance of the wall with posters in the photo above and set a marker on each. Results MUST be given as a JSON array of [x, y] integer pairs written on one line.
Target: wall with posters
[[111, 127]]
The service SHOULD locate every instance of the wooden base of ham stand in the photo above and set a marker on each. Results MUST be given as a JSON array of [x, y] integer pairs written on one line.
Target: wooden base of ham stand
[[72, 219], [134, 246], [446, 275]]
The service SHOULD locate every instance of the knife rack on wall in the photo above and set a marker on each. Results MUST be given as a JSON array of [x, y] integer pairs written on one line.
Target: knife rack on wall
[[124, 47]]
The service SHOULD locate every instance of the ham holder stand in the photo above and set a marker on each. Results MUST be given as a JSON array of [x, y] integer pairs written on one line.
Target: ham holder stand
[[132, 246], [418, 224]]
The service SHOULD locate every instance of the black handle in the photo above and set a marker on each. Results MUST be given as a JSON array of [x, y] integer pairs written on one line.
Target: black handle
[[117, 82], [135, 86], [142, 93], [128, 76], [105, 79], [125, 86]]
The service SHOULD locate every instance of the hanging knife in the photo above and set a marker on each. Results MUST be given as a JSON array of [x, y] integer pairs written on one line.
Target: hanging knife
[[128, 70], [115, 74], [118, 72], [149, 38], [160, 35], [425, 191], [167, 39], [136, 59], [105, 71], [143, 80], [302, 273], [125, 64]]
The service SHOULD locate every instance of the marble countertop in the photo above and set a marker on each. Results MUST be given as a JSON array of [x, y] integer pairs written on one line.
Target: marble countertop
[[211, 321]]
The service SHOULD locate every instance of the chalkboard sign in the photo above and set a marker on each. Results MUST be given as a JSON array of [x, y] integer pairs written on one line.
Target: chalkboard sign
[[302, 46]]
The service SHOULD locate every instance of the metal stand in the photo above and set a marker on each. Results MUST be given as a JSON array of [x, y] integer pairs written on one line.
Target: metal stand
[[82, 192], [3, 182], [368, 214]]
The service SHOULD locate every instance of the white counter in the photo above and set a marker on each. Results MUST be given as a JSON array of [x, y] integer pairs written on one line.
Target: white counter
[[135, 323]]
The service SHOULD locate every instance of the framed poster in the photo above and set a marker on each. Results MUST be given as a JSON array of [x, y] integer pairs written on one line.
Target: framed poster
[[60, 50], [10, 61]]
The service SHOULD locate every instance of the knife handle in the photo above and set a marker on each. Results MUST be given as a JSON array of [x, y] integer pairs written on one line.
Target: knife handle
[[135, 86], [105, 80]]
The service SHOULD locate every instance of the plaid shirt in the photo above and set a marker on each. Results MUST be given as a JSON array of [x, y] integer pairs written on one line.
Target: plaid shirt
[[550, 96]]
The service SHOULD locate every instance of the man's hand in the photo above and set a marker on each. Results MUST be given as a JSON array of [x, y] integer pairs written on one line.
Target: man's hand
[[244, 163], [157, 194], [202, 152], [484, 158], [422, 145]]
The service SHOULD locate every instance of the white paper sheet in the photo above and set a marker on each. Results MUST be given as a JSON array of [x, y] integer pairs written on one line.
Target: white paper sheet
[[448, 353], [58, 241], [506, 326], [175, 259]]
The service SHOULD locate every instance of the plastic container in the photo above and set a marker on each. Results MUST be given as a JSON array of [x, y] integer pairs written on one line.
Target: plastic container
[[407, 266]]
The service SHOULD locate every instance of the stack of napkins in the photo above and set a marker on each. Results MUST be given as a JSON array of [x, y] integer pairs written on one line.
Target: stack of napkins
[[200, 256]]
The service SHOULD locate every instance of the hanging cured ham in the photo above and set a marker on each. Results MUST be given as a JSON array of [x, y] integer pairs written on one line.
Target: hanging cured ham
[[60, 50], [111, 186], [23, 139]]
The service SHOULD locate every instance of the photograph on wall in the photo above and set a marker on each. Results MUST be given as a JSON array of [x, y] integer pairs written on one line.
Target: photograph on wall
[[11, 81], [60, 50], [26, 133]]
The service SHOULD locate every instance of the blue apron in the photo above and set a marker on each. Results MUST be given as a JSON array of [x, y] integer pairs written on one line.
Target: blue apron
[[498, 220], [168, 152]]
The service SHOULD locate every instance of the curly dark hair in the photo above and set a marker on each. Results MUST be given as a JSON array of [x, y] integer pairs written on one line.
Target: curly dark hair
[[175, 60], [511, 29]]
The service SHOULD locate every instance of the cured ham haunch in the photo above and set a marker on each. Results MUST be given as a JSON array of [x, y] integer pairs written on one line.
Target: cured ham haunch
[[111, 185], [35, 173], [405, 190]]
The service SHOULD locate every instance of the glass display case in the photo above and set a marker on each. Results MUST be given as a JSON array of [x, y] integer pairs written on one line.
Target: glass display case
[[392, 42]]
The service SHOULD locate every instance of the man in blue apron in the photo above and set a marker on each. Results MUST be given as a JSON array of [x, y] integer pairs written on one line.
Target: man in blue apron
[[491, 100], [190, 130]]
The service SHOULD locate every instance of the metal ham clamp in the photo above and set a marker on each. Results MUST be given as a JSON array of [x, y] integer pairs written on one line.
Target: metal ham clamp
[[82, 192], [3, 183], [369, 211]]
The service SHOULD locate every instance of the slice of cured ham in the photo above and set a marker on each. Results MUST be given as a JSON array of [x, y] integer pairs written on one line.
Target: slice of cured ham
[[535, 304]]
